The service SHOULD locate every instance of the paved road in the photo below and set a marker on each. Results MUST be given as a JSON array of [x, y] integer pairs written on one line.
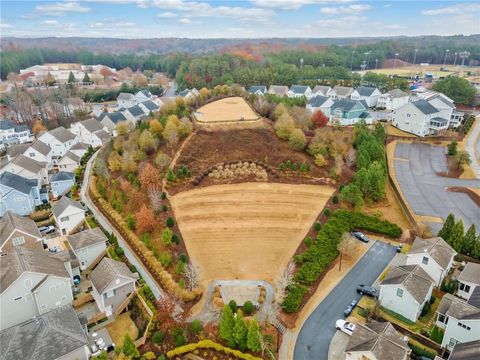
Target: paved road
[[416, 167], [172, 87], [473, 147], [314, 338]]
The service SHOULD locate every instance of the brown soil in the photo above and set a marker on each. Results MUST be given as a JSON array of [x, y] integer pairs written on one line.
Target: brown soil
[[473, 195], [225, 110], [453, 170]]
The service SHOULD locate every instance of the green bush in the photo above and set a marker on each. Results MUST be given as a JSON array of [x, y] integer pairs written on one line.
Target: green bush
[[432, 299], [183, 258], [248, 307], [420, 351], [363, 312], [164, 208], [119, 251], [170, 222], [317, 226], [179, 337], [130, 222], [425, 309], [164, 195], [437, 335], [233, 305], [335, 199], [370, 223], [327, 212], [158, 337], [196, 327], [176, 239], [294, 297], [308, 241]]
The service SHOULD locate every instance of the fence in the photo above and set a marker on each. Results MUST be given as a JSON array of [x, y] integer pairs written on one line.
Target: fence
[[141, 341]]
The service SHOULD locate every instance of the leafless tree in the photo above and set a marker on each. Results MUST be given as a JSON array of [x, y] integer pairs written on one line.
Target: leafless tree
[[191, 274], [155, 196], [264, 346], [350, 158], [211, 315], [285, 280]]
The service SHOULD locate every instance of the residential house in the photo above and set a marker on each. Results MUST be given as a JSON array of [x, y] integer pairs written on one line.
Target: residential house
[[69, 162], [28, 168], [468, 279], [40, 152], [16, 149], [319, 102], [111, 120], [18, 194], [341, 92], [55, 335], [149, 106], [443, 103], [31, 283], [61, 183], [299, 91], [278, 90], [142, 95], [466, 351], [405, 290], [349, 112], [459, 318], [258, 89], [16, 230], [112, 283], [392, 99], [187, 93], [125, 100], [135, 113], [79, 149], [376, 340], [69, 259], [322, 90], [434, 255], [11, 133], [86, 131], [367, 93], [60, 140], [88, 245], [68, 214], [420, 118]]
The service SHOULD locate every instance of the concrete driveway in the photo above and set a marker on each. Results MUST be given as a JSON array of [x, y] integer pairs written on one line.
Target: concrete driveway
[[416, 167], [318, 330]]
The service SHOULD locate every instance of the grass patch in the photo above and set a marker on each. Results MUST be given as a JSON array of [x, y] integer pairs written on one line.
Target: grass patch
[[122, 325], [388, 314], [421, 350]]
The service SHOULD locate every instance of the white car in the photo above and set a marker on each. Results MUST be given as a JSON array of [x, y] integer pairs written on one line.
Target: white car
[[345, 326]]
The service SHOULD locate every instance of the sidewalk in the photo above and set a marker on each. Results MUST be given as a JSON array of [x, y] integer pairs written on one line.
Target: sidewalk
[[472, 146]]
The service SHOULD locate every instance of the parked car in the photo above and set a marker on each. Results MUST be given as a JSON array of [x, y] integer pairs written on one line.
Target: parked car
[[399, 248], [345, 326], [360, 236], [367, 290], [46, 229], [350, 308]]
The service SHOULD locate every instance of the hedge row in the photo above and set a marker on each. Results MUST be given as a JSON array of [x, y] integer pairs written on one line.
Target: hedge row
[[318, 257], [147, 257], [209, 344]]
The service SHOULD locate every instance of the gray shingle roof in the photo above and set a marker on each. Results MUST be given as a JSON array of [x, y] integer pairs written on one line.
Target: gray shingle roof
[[345, 105], [17, 149], [11, 221], [396, 93], [136, 110], [63, 203], [436, 247], [72, 156], [365, 90], [253, 89], [62, 134], [317, 101], [425, 107], [474, 299], [298, 89], [7, 124], [28, 164], [380, 338], [21, 259], [92, 125], [466, 351], [278, 89], [48, 336], [109, 270], [17, 182], [125, 96], [150, 105], [457, 308], [41, 147], [86, 238], [103, 135], [145, 92], [62, 176], [79, 146], [322, 89], [413, 278], [183, 93], [343, 90]]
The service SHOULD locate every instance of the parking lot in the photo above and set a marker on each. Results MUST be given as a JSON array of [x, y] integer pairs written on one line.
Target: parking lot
[[416, 168]]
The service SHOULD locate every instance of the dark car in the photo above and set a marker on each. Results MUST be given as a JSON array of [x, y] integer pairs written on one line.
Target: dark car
[[399, 248], [360, 236], [350, 308], [367, 290]]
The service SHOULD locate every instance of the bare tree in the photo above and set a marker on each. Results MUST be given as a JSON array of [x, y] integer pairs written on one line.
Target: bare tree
[[264, 346], [155, 196], [285, 280], [191, 274], [211, 315], [350, 158]]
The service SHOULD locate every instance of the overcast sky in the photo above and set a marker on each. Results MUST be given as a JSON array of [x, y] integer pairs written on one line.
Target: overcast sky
[[230, 19]]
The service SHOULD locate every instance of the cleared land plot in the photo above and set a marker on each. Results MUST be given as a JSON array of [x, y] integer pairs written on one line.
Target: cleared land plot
[[246, 231], [232, 109]]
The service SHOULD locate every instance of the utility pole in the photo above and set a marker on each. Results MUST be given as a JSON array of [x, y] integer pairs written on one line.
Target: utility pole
[[455, 59], [376, 63], [415, 56], [464, 55], [395, 62], [445, 59]]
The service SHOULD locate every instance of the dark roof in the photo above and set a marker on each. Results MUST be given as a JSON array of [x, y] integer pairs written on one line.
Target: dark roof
[[49, 336], [18, 182], [298, 89], [345, 105], [253, 89], [109, 270], [365, 90], [11, 221], [184, 93], [413, 278], [63, 203], [425, 107], [62, 176], [136, 110], [466, 351], [474, 299], [436, 247], [7, 124], [150, 105], [317, 101], [145, 92], [86, 238], [116, 117]]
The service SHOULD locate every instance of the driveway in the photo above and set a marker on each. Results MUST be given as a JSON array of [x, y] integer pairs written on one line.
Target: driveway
[[473, 147], [416, 167], [316, 333], [172, 88]]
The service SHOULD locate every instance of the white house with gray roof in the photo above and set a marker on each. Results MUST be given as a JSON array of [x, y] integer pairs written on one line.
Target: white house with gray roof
[[59, 139], [367, 93], [55, 335], [125, 100], [376, 340], [465, 351], [278, 90], [79, 149], [17, 149], [112, 283], [18, 194], [28, 168], [341, 92], [468, 279], [16, 230], [32, 282], [87, 130], [111, 120], [322, 90], [135, 113], [149, 106], [459, 318], [88, 245], [142, 95], [434, 255], [299, 91], [12, 133], [419, 118], [61, 183], [40, 152], [257, 89], [393, 99], [68, 214], [69, 162], [405, 290], [443, 103], [322, 103]]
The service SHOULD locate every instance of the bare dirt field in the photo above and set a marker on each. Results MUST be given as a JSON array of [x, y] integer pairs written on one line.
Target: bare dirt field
[[231, 109], [406, 69], [246, 231]]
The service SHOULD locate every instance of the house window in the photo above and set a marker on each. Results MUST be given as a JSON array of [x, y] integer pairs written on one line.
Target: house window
[[452, 342], [65, 218], [18, 241], [425, 260], [110, 294], [441, 318], [32, 154], [466, 288], [408, 115], [400, 292]]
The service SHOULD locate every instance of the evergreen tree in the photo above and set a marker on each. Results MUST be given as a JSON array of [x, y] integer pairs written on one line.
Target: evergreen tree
[[457, 236], [71, 78], [446, 231], [253, 337], [86, 79], [468, 243], [476, 248], [452, 148], [240, 331], [129, 348], [227, 323]]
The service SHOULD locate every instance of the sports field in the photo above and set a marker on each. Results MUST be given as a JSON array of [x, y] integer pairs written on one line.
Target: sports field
[[231, 109], [248, 230]]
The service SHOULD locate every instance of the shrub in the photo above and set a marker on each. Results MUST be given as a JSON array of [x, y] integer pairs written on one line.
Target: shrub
[[196, 327], [130, 222], [317, 226], [327, 212], [180, 267], [164, 208], [425, 309], [421, 351], [183, 258], [335, 199], [164, 195], [432, 299], [437, 335], [179, 337], [167, 236], [170, 222], [308, 241], [248, 307], [119, 251], [165, 259], [297, 140], [294, 297], [158, 337], [233, 306], [176, 239]]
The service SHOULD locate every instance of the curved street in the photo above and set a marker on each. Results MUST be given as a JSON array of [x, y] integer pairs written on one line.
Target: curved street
[[317, 332], [472, 145]]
